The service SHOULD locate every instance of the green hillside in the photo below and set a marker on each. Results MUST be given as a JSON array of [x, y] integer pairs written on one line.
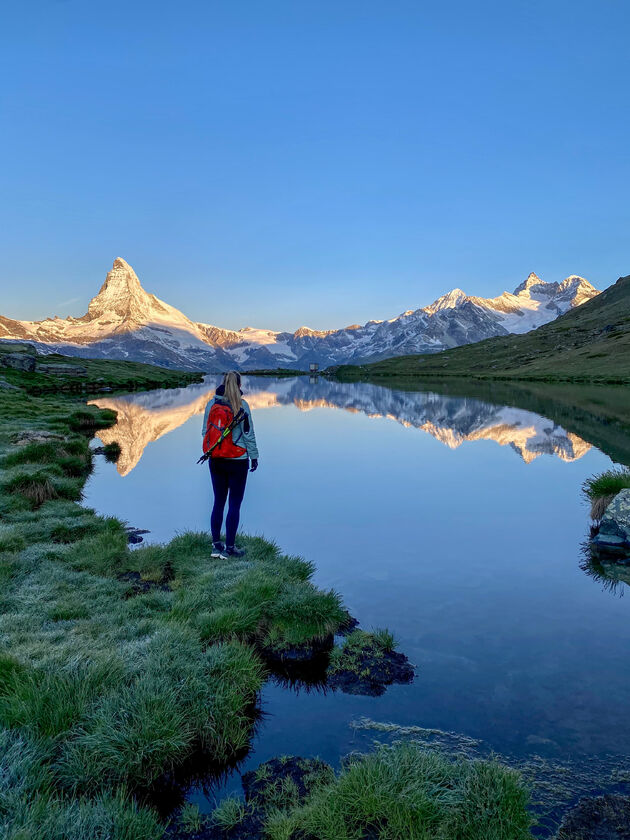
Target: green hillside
[[22, 367], [588, 344]]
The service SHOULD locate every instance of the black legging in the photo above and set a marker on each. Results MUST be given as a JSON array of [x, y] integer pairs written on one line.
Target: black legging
[[229, 475]]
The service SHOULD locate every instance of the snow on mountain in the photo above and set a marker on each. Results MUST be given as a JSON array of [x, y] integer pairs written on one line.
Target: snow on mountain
[[534, 302], [124, 321]]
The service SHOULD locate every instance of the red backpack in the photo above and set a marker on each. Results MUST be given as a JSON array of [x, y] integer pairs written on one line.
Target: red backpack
[[221, 415]]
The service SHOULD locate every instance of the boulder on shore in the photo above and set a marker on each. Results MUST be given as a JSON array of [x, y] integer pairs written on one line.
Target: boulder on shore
[[62, 370], [6, 386], [18, 361], [614, 527]]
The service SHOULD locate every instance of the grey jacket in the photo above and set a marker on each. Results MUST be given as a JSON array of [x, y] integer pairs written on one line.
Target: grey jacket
[[239, 436]]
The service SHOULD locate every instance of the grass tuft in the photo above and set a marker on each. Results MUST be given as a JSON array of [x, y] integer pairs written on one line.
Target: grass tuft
[[385, 639], [190, 819], [601, 489], [229, 813], [112, 451], [35, 486], [91, 420], [404, 792]]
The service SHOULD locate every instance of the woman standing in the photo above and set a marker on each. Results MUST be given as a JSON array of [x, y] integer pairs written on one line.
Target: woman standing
[[229, 460]]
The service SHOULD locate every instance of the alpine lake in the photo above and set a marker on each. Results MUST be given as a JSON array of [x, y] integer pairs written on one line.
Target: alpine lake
[[455, 521]]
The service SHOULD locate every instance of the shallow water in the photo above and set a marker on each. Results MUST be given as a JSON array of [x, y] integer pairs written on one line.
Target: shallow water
[[456, 523]]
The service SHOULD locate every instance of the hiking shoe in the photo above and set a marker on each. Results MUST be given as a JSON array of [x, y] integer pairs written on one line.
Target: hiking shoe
[[218, 550], [233, 551]]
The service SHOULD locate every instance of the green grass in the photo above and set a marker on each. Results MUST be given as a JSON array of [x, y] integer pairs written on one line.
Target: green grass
[[31, 808], [104, 690], [112, 451], [93, 375], [385, 639], [190, 819], [229, 813], [109, 689], [590, 343], [601, 489], [39, 485], [359, 647], [90, 420], [407, 793], [608, 483]]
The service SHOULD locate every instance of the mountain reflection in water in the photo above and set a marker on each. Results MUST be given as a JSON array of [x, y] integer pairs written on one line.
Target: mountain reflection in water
[[146, 417]]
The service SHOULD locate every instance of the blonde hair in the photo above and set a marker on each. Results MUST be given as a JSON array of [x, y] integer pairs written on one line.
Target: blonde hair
[[232, 385]]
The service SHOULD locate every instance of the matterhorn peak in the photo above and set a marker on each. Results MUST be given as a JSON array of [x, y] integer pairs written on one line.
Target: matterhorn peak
[[120, 263], [122, 300]]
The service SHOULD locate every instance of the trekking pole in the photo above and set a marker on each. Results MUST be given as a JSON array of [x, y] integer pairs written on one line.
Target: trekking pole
[[234, 422]]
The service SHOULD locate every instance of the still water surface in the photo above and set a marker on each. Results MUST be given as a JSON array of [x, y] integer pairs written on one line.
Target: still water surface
[[456, 523]]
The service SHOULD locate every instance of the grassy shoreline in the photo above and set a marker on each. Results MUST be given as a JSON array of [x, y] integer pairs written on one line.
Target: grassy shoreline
[[54, 373], [119, 666], [105, 687]]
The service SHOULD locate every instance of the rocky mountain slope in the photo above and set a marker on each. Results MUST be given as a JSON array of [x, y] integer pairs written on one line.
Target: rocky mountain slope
[[125, 322], [590, 343]]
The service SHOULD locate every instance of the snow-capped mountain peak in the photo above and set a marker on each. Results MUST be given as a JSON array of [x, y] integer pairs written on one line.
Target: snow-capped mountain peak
[[124, 321], [121, 298], [119, 294], [448, 301], [533, 280]]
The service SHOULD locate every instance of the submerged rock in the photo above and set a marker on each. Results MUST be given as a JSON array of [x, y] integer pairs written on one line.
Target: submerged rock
[[135, 535], [597, 818], [614, 528]]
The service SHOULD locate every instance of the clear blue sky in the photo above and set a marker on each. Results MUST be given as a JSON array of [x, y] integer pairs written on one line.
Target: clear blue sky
[[281, 163]]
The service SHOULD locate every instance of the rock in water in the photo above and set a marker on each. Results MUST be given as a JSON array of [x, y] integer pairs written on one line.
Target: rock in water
[[614, 528], [597, 818]]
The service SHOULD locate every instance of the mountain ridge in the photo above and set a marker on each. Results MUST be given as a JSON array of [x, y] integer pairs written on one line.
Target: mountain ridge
[[124, 321], [588, 343]]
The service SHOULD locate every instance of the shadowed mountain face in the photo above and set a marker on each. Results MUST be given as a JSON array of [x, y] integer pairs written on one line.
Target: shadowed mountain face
[[125, 322], [146, 417]]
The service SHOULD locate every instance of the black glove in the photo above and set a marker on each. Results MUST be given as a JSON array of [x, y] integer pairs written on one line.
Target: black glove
[[254, 466]]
